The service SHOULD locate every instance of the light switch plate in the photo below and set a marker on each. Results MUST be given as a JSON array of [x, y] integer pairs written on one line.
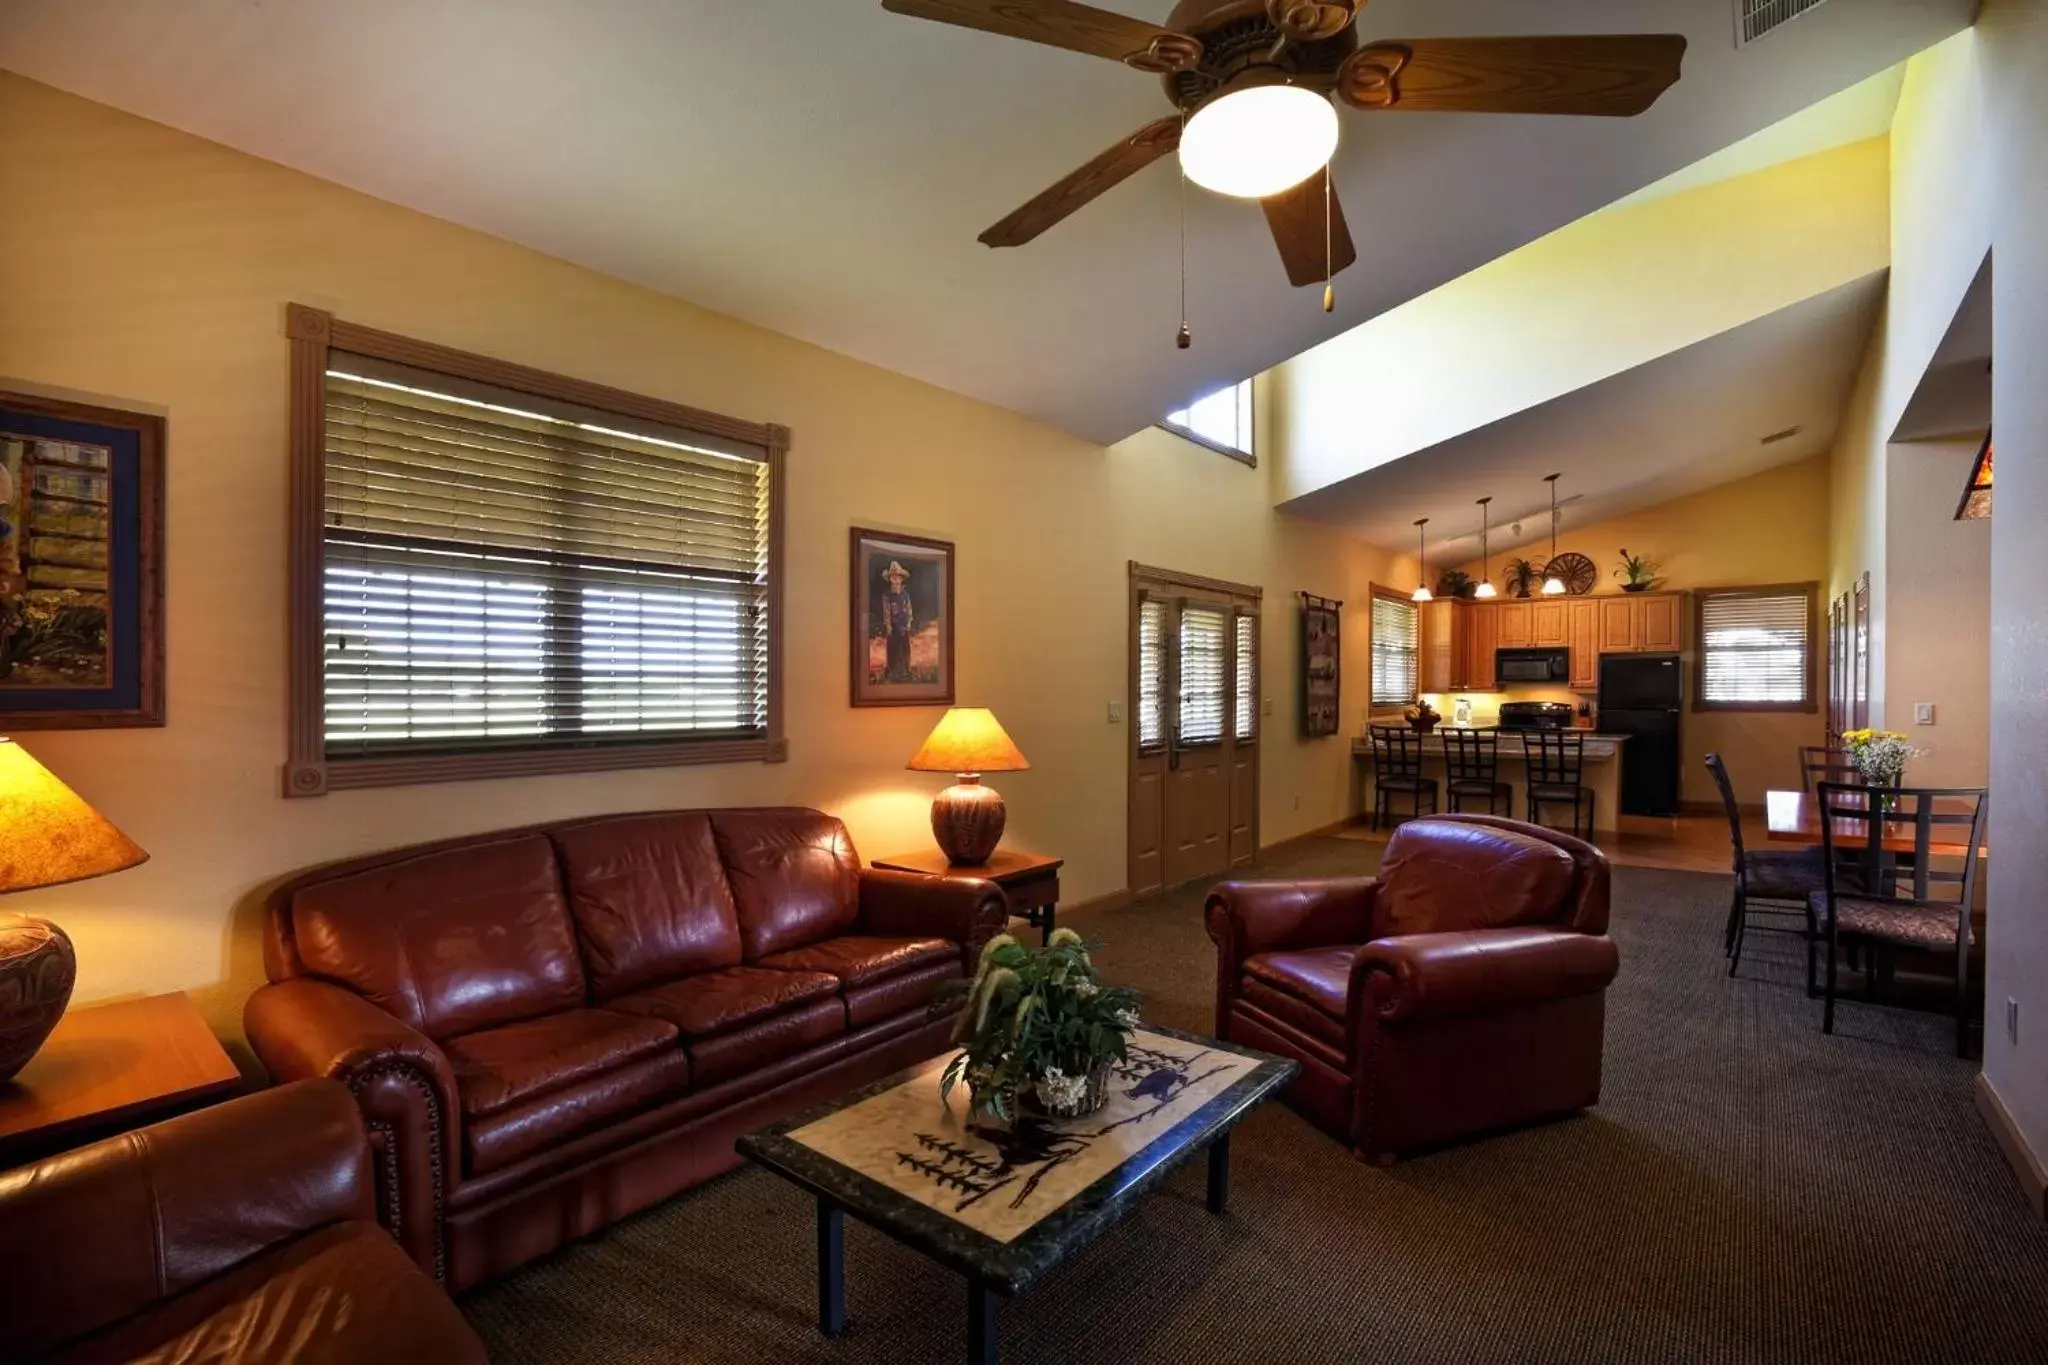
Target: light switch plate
[[1266, 708], [1923, 713], [1116, 713]]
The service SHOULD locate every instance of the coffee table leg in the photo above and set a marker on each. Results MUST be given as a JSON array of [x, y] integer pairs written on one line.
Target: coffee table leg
[[831, 1268], [981, 1323], [1219, 1173]]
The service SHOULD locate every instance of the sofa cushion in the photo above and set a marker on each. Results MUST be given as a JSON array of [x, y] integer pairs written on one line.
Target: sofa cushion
[[715, 1002], [1320, 977], [649, 897], [1443, 875], [741, 1051], [857, 959], [794, 875], [494, 1141], [448, 941], [507, 1065], [1291, 1009], [892, 995]]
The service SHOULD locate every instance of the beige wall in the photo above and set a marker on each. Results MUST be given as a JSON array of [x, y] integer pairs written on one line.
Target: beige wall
[[1768, 528], [148, 267], [1938, 616]]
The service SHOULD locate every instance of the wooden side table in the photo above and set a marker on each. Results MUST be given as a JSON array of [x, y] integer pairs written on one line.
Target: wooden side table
[[1030, 880], [109, 1068]]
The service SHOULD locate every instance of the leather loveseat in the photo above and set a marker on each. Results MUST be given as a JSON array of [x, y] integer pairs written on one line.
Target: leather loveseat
[[550, 1028], [244, 1234], [1460, 991]]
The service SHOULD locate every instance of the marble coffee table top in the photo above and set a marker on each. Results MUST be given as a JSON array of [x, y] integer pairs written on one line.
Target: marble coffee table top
[[1008, 1203]]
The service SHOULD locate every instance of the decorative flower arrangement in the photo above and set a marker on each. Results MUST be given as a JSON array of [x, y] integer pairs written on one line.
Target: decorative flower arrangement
[[1879, 756], [1636, 572], [1040, 1030]]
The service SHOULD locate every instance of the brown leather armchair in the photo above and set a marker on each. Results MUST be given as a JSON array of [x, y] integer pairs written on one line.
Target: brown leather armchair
[[244, 1234], [1460, 991]]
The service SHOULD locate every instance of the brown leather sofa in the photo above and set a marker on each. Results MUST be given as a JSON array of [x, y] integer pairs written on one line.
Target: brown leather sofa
[[550, 1028], [244, 1234], [1460, 991]]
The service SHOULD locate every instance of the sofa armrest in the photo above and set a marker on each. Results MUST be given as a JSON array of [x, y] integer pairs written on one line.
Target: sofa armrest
[[1476, 971], [968, 910], [1244, 918], [109, 1229], [401, 1082]]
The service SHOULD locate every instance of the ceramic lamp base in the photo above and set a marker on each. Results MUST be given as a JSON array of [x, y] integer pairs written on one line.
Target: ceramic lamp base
[[37, 971], [967, 820]]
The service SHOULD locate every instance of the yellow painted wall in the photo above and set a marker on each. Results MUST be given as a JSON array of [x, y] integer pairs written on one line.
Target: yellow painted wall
[[148, 267], [1768, 528]]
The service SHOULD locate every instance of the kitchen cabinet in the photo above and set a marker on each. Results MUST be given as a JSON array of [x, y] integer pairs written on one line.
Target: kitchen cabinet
[[1642, 623], [1582, 631], [1516, 625], [1443, 645], [1483, 634], [1617, 624], [1547, 623]]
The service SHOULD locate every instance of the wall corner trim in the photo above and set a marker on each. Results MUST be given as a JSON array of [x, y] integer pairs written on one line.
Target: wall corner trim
[[2025, 1163]]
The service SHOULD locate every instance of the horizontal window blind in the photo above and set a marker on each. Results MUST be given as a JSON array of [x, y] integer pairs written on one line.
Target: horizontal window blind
[[1394, 664], [1204, 640], [1754, 649], [502, 571], [1151, 673], [1246, 691]]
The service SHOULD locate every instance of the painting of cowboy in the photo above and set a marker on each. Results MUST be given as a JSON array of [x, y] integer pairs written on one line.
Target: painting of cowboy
[[902, 615]]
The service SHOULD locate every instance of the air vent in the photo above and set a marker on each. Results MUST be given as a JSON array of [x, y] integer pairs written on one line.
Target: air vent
[[1787, 434], [1755, 18]]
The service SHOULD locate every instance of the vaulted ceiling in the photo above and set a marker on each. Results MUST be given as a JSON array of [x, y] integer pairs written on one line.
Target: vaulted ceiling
[[823, 168]]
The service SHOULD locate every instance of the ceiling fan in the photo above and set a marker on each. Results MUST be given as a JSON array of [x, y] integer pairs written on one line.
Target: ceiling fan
[[1251, 80]]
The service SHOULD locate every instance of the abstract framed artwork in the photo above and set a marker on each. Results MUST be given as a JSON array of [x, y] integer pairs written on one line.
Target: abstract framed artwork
[[901, 628], [81, 565]]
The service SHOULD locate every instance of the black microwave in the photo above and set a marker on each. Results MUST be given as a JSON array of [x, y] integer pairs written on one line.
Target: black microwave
[[1532, 666]]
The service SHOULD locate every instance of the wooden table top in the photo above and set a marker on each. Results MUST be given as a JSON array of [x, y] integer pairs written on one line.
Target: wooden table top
[[110, 1067], [1006, 866], [1794, 818]]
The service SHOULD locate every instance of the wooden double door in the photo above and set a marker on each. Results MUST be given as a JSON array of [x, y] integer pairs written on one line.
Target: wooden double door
[[1195, 709]]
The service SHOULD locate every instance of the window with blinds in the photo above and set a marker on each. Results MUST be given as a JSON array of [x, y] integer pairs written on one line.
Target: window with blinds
[[503, 571], [1395, 666], [1151, 718], [1756, 649], [1245, 693], [1204, 647]]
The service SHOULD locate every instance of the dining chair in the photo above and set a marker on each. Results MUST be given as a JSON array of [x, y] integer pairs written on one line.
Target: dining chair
[[1875, 897], [1825, 763], [1784, 878], [1397, 770], [1556, 761], [1472, 769]]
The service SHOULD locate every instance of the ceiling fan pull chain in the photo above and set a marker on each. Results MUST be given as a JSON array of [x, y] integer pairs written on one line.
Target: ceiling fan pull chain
[[1329, 276], [1184, 338]]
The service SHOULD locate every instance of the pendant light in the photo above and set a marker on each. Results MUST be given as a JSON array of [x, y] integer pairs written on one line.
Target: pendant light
[[1485, 588], [1422, 592], [1553, 586]]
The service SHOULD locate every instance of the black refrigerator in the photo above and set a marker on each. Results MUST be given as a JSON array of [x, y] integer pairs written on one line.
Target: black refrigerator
[[1640, 696]]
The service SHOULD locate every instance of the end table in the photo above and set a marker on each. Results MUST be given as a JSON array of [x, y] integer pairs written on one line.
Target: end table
[[109, 1068], [1030, 880]]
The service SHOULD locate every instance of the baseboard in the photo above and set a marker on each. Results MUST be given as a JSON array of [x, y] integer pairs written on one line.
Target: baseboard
[[1115, 900], [2033, 1176], [1308, 837]]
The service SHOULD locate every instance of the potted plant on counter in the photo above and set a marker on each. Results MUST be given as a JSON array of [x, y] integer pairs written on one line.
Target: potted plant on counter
[[1636, 572], [1040, 1031]]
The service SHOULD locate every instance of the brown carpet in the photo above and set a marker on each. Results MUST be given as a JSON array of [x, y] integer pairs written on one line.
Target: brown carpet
[[1747, 1191]]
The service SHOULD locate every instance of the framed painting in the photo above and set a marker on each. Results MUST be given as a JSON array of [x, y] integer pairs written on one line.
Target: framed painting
[[81, 565], [902, 619], [1321, 666]]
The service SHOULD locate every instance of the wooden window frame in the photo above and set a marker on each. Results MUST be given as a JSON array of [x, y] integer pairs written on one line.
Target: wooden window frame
[[1811, 703], [309, 771], [1373, 709], [1248, 456]]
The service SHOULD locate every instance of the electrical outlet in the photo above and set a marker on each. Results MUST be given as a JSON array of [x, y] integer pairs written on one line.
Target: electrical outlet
[[1297, 800], [1923, 713], [1116, 713], [2012, 1020], [1266, 708]]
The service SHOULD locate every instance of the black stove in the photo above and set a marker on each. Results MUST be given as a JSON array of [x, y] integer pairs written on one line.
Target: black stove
[[1535, 715]]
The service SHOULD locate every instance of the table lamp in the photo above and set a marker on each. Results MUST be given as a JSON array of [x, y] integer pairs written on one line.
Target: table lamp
[[48, 835], [967, 819]]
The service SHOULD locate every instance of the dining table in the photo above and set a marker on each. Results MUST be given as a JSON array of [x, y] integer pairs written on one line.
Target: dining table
[[1794, 818]]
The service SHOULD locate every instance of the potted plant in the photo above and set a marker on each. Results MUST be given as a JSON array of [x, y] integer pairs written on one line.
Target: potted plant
[[1522, 577], [1040, 1031], [1423, 717], [1455, 583], [1636, 572]]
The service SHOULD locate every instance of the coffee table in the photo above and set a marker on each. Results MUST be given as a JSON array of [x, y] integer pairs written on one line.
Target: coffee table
[[1003, 1206]]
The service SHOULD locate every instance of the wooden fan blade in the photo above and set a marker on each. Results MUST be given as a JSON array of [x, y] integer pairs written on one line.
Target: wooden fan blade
[[1061, 23], [1110, 169], [1296, 217], [1617, 75]]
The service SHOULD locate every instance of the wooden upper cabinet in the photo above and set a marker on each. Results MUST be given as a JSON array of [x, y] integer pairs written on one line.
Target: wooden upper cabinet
[[1617, 624], [1547, 624], [1440, 662], [1517, 624], [1483, 638], [1660, 622], [1582, 627]]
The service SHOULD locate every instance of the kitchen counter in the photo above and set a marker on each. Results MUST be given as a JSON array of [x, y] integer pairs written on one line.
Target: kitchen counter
[[1602, 774]]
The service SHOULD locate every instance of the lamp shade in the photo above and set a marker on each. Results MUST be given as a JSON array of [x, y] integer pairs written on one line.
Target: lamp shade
[[968, 739], [48, 834]]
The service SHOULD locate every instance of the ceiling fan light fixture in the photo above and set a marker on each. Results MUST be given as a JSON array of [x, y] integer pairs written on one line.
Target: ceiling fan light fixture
[[1257, 141]]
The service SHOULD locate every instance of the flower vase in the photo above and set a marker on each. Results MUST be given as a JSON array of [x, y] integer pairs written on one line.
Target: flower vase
[[1069, 1097]]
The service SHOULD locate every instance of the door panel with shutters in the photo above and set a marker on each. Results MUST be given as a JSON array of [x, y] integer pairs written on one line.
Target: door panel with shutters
[[1148, 743], [1244, 761], [1199, 745]]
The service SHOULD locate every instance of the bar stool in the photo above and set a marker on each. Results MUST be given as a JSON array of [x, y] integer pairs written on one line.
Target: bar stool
[[1397, 769], [1557, 763], [1472, 769]]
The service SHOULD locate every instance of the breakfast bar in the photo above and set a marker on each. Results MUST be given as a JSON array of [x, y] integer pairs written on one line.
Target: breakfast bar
[[1602, 775]]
